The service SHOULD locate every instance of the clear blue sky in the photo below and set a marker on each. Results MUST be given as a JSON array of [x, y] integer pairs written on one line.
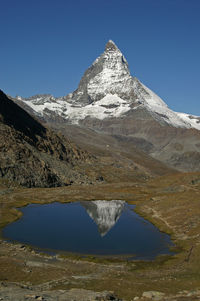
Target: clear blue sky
[[46, 45]]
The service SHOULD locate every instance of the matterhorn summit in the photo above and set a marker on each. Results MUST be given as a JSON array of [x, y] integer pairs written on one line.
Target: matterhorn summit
[[108, 75], [106, 91]]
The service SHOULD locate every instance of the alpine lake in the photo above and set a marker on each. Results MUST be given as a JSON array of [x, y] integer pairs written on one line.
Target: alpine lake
[[100, 228]]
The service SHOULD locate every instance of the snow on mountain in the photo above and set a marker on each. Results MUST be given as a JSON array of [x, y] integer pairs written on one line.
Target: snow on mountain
[[104, 213], [107, 90], [157, 106], [110, 105], [193, 120], [114, 78]]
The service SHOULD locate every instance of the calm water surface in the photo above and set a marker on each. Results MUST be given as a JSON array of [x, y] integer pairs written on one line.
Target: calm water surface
[[95, 227]]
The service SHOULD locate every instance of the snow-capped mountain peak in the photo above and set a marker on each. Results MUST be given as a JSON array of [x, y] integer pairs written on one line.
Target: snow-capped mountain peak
[[107, 90], [109, 74]]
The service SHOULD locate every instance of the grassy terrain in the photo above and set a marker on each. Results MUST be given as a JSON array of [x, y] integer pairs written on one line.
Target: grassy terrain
[[171, 202]]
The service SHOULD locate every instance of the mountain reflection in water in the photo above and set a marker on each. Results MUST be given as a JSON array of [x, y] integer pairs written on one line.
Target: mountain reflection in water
[[72, 227], [104, 213]]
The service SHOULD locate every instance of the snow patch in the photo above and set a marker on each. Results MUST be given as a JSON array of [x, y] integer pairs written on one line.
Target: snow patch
[[108, 106], [193, 120], [156, 105]]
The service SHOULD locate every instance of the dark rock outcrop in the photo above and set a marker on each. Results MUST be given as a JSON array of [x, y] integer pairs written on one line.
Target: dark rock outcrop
[[33, 155]]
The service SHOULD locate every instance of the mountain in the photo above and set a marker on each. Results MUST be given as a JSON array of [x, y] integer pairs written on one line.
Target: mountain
[[105, 214], [108, 90], [111, 102], [34, 156]]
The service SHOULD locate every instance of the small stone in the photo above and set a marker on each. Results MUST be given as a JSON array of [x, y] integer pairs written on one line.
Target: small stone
[[189, 294], [39, 298], [156, 296], [148, 295], [183, 292], [30, 296], [136, 298]]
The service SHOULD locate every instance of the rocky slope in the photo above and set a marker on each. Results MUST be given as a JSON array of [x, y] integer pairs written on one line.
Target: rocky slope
[[109, 100], [34, 156]]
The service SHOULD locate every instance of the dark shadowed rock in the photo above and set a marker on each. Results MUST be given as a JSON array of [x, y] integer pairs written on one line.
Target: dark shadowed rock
[[34, 156]]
